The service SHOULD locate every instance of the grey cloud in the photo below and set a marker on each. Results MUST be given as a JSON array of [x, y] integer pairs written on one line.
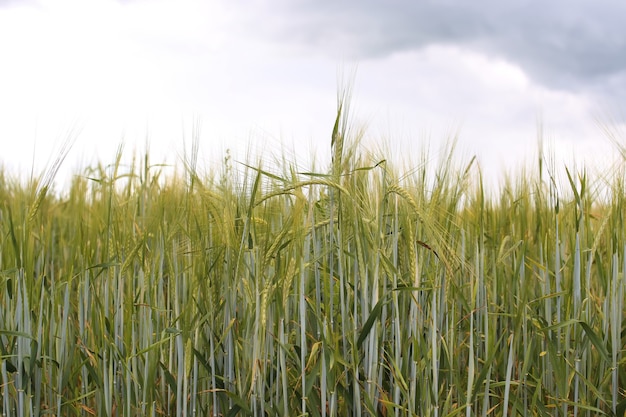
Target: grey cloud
[[566, 44]]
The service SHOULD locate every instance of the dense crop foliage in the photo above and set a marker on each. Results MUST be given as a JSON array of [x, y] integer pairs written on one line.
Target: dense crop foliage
[[357, 291]]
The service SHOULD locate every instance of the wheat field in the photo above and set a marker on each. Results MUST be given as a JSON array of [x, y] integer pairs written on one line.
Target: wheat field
[[355, 290]]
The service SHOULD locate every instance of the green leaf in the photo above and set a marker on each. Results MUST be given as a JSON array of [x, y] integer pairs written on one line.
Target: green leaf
[[367, 327], [596, 341], [240, 404]]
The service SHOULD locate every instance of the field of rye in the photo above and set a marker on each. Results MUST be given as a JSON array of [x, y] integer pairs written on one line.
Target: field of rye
[[349, 291]]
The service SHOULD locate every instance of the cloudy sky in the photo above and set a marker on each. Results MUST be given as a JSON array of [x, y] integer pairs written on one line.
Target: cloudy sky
[[261, 76]]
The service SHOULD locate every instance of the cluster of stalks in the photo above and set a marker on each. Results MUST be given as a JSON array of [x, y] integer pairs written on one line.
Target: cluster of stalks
[[355, 291]]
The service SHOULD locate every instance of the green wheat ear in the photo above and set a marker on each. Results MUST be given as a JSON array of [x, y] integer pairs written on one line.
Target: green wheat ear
[[337, 142]]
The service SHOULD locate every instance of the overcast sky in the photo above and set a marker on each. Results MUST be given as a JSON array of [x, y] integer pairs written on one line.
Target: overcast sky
[[260, 74]]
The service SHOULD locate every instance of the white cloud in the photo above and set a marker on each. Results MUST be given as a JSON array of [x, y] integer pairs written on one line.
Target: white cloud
[[140, 68]]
